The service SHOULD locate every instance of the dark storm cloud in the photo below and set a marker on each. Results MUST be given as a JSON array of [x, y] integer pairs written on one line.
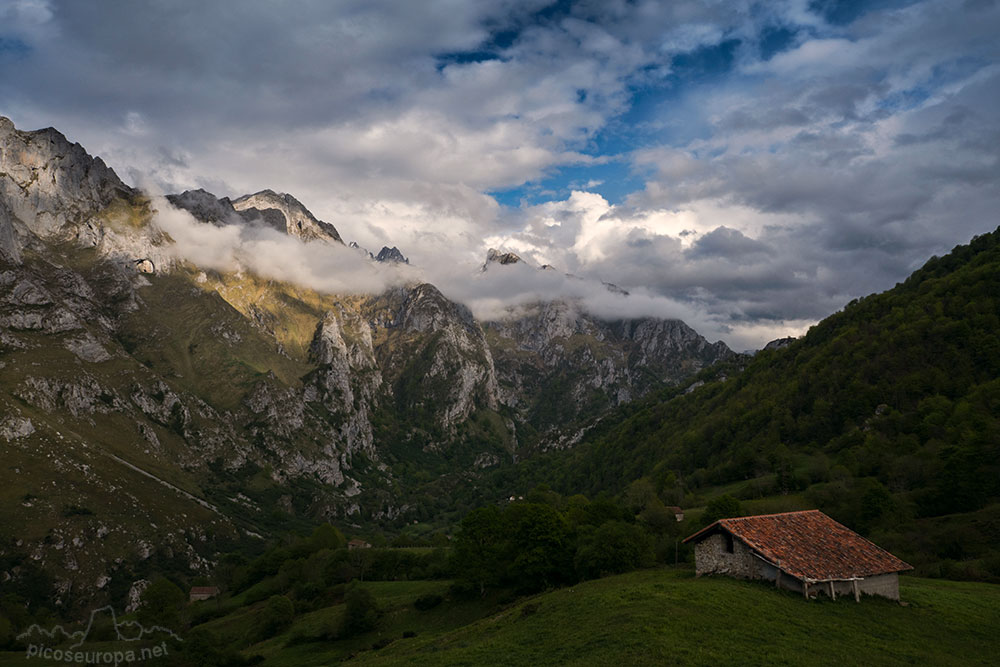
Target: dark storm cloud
[[728, 244]]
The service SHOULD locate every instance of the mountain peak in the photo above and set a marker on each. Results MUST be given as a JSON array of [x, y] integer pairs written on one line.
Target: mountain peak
[[494, 256], [615, 289], [53, 185], [204, 206], [285, 213], [387, 254]]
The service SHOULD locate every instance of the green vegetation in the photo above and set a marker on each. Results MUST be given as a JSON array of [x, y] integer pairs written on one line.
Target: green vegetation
[[551, 541], [161, 604], [203, 344]]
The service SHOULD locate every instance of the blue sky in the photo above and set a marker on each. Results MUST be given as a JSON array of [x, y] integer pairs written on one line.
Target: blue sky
[[749, 167], [640, 124]]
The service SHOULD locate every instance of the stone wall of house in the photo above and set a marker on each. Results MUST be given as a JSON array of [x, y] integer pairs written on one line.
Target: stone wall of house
[[711, 557]]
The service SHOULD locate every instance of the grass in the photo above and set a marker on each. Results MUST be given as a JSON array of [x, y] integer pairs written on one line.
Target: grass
[[663, 617], [182, 334], [306, 641]]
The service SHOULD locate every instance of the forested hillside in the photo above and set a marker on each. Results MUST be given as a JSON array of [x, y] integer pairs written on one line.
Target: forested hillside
[[886, 415]]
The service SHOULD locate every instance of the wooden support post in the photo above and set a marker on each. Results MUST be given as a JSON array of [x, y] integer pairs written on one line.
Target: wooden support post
[[805, 589], [833, 592], [857, 592], [777, 580]]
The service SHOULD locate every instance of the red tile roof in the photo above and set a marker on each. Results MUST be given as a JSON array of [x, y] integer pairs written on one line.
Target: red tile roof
[[808, 545]]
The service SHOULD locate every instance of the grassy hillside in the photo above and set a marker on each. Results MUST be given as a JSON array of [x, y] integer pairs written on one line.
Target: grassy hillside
[[661, 617]]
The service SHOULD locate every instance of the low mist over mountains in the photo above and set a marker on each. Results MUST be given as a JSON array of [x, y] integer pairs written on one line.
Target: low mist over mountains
[[184, 366]]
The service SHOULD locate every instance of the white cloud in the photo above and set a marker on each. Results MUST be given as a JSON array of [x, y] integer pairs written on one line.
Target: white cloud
[[326, 267]]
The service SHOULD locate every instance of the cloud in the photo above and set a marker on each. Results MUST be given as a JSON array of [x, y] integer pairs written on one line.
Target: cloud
[[326, 267], [780, 178]]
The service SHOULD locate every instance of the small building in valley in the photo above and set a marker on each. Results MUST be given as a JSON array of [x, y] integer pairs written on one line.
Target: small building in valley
[[203, 593], [806, 552], [677, 512], [358, 544]]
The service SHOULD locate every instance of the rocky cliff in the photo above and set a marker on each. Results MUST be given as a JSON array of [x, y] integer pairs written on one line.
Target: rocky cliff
[[557, 364]]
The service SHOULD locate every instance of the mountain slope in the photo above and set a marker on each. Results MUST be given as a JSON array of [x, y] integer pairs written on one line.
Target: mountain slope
[[557, 364]]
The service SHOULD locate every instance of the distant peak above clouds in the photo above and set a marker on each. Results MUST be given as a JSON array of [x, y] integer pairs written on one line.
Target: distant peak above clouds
[[393, 254], [281, 212], [494, 256]]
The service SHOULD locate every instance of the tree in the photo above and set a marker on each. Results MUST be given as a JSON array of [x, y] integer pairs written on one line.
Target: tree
[[721, 507], [657, 518], [326, 536], [361, 611], [640, 494], [161, 604], [273, 618], [478, 554], [6, 633], [538, 546], [361, 559], [613, 548]]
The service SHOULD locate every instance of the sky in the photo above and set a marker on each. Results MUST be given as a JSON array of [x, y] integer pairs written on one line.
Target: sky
[[749, 167]]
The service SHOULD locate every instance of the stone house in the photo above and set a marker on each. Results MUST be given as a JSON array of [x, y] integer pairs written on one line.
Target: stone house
[[806, 552], [358, 544], [677, 512]]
